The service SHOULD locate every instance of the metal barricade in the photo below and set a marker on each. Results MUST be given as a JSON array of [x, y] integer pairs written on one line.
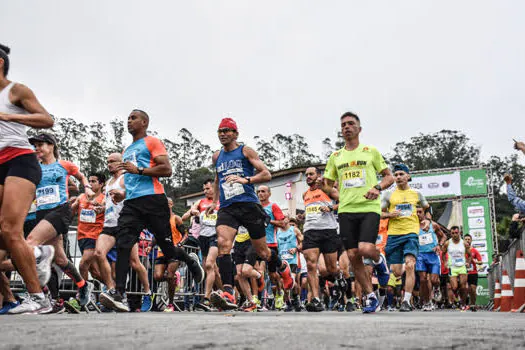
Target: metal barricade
[[67, 288]]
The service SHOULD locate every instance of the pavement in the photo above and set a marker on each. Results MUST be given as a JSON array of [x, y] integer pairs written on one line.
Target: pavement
[[265, 330]]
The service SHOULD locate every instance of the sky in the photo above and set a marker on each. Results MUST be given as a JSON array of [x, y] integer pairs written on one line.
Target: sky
[[405, 67]]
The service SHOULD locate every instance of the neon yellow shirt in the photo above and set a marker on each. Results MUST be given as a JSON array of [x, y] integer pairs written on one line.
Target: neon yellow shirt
[[406, 202], [356, 171]]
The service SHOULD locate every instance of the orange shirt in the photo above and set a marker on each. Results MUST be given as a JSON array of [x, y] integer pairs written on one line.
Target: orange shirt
[[382, 235], [176, 236], [90, 224]]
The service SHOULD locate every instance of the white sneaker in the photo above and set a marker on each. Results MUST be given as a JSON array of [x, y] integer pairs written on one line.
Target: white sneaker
[[33, 305], [43, 265]]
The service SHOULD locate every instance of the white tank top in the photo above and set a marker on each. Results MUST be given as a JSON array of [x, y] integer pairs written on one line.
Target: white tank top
[[456, 253], [112, 210], [13, 134]]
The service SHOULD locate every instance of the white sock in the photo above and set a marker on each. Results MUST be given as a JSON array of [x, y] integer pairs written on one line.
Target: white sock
[[381, 299], [372, 295], [258, 274], [38, 295], [378, 261], [407, 297], [37, 251]]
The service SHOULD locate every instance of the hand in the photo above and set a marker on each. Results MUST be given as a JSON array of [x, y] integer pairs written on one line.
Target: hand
[[372, 194], [211, 208], [89, 192], [129, 167], [394, 214], [236, 179], [325, 209], [520, 146], [426, 225], [5, 117], [148, 249], [195, 212], [292, 251], [117, 196], [507, 178], [98, 208], [437, 249]]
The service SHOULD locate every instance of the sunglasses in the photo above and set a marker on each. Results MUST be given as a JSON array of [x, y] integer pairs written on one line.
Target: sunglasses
[[224, 130]]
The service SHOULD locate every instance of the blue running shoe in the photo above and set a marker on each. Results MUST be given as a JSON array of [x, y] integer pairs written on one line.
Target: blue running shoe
[[371, 304], [146, 303], [8, 306], [382, 271]]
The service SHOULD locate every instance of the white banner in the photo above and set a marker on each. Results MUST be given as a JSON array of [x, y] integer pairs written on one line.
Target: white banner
[[442, 185]]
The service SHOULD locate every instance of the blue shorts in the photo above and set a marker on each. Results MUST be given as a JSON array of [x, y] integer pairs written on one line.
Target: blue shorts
[[429, 263], [86, 243], [112, 255], [397, 247]]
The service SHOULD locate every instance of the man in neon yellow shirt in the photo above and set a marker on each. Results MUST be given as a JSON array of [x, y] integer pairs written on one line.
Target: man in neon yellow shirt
[[402, 246], [355, 167]]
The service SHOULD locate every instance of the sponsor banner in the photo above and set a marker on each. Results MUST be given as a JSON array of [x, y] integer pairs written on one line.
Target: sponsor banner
[[484, 257], [483, 269], [437, 185], [478, 234], [482, 291], [473, 182], [476, 222], [481, 246], [475, 211]]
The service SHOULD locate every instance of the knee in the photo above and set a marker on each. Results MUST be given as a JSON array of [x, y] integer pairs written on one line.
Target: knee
[[99, 254], [367, 251], [354, 256], [264, 253], [209, 266], [158, 276], [410, 264], [61, 261], [311, 265], [9, 227]]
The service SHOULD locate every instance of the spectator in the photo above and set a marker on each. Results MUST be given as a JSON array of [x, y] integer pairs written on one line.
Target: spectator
[[520, 146], [516, 201], [515, 228]]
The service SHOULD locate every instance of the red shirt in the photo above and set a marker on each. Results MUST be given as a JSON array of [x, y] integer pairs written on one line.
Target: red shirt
[[473, 268], [444, 263]]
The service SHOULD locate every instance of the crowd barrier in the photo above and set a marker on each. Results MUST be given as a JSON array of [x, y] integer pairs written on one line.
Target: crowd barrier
[[185, 291], [507, 263]]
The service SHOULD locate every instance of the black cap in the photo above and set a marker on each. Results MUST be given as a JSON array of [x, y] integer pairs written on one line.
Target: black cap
[[48, 138]]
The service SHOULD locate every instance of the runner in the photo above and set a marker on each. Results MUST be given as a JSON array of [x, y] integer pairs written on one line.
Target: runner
[[235, 175], [402, 246], [472, 270], [276, 220], [458, 259], [53, 212], [431, 238], [320, 235], [90, 211], [115, 192], [287, 245], [355, 167], [19, 176], [145, 205], [244, 259], [207, 236]]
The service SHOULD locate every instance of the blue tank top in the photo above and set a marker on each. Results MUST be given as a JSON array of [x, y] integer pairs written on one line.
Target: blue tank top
[[52, 191], [427, 240], [235, 163], [287, 240]]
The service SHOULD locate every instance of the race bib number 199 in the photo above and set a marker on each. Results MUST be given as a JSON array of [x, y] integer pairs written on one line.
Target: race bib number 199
[[47, 195]]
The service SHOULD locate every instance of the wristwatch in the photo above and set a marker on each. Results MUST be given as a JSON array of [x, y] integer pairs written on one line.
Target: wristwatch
[[378, 187], [140, 170], [249, 180]]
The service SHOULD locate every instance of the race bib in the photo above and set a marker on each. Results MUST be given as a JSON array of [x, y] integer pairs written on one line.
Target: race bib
[[47, 195], [426, 238], [88, 216], [404, 209], [354, 178], [458, 262], [232, 189], [209, 220], [313, 212], [32, 209], [286, 255]]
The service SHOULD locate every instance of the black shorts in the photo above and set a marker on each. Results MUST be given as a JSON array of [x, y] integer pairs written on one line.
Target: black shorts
[[358, 227], [25, 166], [294, 269], [243, 253], [472, 279], [250, 215], [29, 225], [151, 212], [110, 231], [205, 243], [327, 241], [163, 260], [59, 218], [86, 243], [443, 280]]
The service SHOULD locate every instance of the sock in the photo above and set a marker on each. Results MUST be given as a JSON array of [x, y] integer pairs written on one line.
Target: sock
[[371, 296], [122, 268], [382, 296], [258, 274], [38, 295], [225, 264], [379, 261], [73, 273], [390, 299], [349, 288], [304, 294], [38, 252], [407, 297], [276, 261]]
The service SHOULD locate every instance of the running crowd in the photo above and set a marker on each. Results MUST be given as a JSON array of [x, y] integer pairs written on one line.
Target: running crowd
[[360, 243]]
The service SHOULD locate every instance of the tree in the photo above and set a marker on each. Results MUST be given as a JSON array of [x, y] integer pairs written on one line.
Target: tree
[[117, 128], [94, 159], [327, 148], [267, 153], [443, 149]]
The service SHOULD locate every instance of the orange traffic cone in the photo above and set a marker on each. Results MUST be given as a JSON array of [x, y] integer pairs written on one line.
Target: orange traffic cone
[[497, 296], [518, 302], [506, 293]]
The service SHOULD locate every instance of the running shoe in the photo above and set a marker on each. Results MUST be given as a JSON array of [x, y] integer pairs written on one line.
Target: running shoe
[[371, 304], [249, 306], [147, 303], [72, 306], [223, 300], [203, 307], [112, 299], [428, 307], [33, 305], [84, 293], [279, 301], [382, 271], [473, 308], [58, 306], [349, 306], [437, 295], [391, 309], [286, 274], [256, 300], [405, 307], [8, 306], [195, 268], [43, 263], [169, 308], [314, 306]]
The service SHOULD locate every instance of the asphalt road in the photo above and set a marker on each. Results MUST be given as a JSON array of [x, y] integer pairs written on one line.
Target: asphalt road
[[269, 330]]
